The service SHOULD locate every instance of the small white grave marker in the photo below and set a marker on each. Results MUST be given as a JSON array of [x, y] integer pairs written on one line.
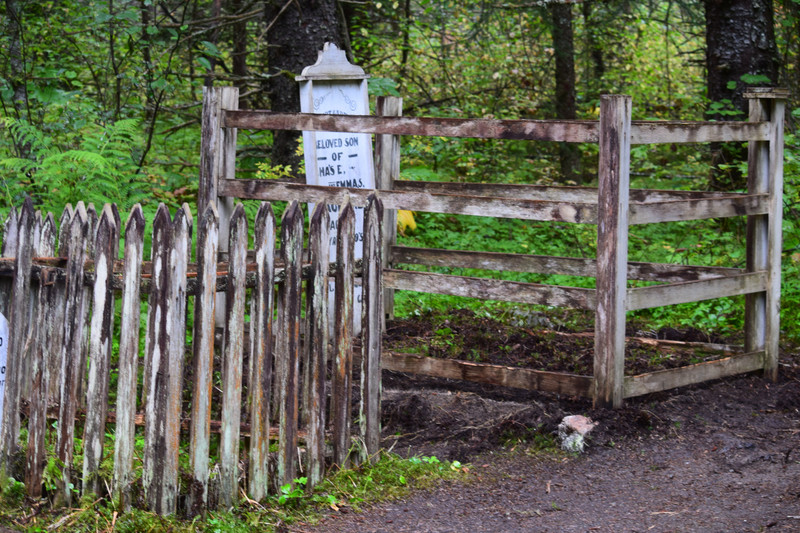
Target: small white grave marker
[[333, 85], [3, 360]]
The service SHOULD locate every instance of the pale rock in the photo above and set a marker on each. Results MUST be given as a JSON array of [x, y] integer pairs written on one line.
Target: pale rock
[[572, 431]]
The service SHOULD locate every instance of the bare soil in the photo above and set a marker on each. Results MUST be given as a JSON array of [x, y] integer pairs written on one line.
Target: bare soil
[[722, 456]]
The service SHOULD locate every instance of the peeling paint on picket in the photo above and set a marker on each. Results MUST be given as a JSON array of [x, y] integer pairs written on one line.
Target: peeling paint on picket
[[54, 288]]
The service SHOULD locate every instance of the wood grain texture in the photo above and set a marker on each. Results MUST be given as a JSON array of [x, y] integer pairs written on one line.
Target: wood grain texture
[[130, 323], [612, 249], [343, 342], [261, 352], [232, 353]]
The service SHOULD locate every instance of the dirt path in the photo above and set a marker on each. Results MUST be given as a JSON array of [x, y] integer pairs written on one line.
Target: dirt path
[[719, 457]]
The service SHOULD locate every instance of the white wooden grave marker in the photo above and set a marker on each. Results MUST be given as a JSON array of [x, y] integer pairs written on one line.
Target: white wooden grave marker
[[333, 85], [3, 361]]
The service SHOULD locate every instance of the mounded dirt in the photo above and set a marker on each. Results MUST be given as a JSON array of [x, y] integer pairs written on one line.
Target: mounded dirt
[[718, 457]]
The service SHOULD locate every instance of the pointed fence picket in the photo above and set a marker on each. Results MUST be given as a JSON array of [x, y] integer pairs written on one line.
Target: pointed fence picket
[[181, 405]]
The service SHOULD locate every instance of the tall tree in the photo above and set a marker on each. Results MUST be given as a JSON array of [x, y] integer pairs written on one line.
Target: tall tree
[[564, 51], [298, 30], [740, 51]]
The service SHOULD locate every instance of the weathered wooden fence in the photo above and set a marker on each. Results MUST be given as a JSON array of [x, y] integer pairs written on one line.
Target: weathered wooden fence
[[613, 206], [214, 404]]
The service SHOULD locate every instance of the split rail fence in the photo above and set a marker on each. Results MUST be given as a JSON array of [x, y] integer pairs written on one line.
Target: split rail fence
[[612, 206], [62, 317]]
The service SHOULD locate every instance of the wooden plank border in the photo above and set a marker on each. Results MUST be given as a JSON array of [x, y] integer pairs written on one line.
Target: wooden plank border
[[520, 378], [688, 375]]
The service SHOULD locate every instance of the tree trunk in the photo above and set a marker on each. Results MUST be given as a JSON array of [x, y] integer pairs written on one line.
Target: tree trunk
[[296, 35], [740, 41], [564, 48], [16, 64], [239, 59]]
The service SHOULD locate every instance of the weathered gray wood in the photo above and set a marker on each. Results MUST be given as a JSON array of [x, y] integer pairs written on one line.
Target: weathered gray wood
[[72, 350], [520, 378], [164, 358], [130, 314], [542, 130], [203, 358], [542, 264], [316, 342], [612, 249], [59, 306], [288, 353], [17, 330], [371, 328], [387, 172], [757, 234], [549, 210], [695, 291], [260, 377], [343, 342], [654, 132], [642, 132], [155, 377], [567, 194], [37, 417], [697, 373], [9, 249], [697, 209], [92, 218], [774, 241], [211, 143], [102, 324], [490, 289], [232, 352], [25, 371]]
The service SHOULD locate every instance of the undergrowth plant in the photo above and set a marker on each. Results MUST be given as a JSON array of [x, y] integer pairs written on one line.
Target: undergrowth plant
[[95, 165]]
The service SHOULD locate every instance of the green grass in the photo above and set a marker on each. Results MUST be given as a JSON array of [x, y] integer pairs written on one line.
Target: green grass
[[390, 477]]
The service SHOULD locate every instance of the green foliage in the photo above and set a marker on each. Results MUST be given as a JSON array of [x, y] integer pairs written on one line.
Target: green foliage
[[99, 169]]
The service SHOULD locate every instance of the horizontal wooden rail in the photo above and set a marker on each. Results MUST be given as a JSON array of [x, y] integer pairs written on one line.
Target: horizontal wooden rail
[[695, 291], [414, 201], [520, 378], [548, 192], [535, 130], [490, 289], [543, 264], [652, 132], [575, 131], [698, 208], [691, 374]]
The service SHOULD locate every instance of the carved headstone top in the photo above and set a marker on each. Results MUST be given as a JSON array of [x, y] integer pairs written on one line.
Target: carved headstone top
[[332, 64]]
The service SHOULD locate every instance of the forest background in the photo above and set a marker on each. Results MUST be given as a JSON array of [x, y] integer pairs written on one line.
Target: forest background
[[101, 102]]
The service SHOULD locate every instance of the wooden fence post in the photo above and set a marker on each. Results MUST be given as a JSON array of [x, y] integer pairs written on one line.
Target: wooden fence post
[[102, 328], [130, 324], [371, 328], [17, 330], [37, 418], [232, 351], [56, 317], [91, 217], [343, 364], [9, 249], [164, 358], [387, 170], [316, 345], [217, 161], [764, 232], [72, 346], [260, 376], [288, 342], [612, 249], [203, 357]]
